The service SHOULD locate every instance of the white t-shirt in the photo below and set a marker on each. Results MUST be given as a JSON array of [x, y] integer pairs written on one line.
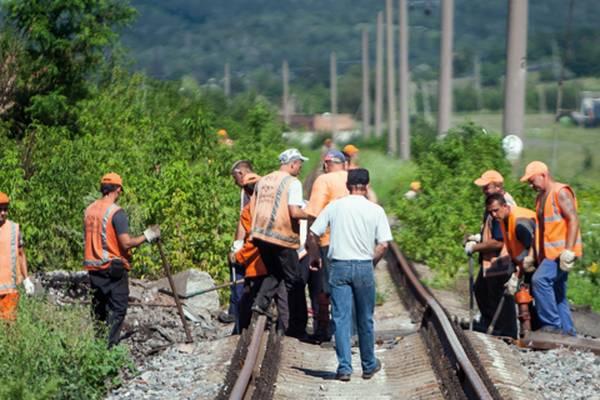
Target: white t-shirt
[[295, 193], [356, 224]]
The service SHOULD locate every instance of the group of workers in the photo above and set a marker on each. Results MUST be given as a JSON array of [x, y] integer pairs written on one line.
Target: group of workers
[[329, 243], [519, 247]]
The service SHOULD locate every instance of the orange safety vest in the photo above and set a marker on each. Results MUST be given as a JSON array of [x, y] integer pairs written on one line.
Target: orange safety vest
[[10, 273], [515, 248], [553, 240], [486, 234], [101, 242], [248, 255], [271, 221]]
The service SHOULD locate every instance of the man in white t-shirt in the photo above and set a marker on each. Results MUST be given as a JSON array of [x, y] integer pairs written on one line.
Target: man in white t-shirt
[[360, 233]]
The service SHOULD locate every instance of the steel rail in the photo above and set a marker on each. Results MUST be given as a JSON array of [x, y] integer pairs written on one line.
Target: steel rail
[[241, 384], [472, 381]]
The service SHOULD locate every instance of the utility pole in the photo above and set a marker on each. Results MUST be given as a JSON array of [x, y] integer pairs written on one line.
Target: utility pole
[[516, 69], [333, 88], [559, 94], [286, 92], [366, 98], [477, 81], [542, 99], [391, 87], [379, 76], [445, 79], [227, 81], [403, 80], [426, 101]]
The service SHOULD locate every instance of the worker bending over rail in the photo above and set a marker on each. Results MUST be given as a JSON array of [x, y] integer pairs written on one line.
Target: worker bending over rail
[[13, 263], [360, 234], [559, 244]]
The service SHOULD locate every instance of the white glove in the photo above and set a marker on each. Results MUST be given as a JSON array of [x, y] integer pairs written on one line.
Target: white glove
[[29, 286], [152, 233], [469, 247], [512, 284], [237, 245], [567, 260], [529, 264], [475, 238]]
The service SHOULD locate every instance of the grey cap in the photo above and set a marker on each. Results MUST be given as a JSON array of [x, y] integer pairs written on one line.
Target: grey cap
[[291, 155]]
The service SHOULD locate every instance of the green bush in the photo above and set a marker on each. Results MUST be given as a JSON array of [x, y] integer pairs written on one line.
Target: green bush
[[52, 353]]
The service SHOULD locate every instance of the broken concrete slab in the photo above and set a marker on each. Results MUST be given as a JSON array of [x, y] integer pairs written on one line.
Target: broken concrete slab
[[188, 282]]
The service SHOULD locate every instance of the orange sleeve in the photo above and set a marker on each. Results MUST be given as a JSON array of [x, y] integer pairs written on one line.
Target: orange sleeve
[[319, 197], [246, 218]]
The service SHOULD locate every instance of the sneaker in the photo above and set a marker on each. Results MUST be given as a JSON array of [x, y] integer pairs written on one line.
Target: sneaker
[[369, 375], [226, 318], [344, 377]]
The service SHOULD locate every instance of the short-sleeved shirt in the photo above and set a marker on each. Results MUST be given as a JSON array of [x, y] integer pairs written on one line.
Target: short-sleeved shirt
[[356, 224], [120, 222], [295, 193]]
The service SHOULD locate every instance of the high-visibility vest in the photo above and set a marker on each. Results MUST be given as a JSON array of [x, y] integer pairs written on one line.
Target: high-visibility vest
[[515, 248], [486, 234], [10, 273], [553, 240], [101, 241], [248, 255], [271, 221]]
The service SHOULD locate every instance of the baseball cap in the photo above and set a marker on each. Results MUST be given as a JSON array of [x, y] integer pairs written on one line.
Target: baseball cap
[[415, 185], [489, 176], [350, 149], [532, 169], [250, 178], [358, 176], [112, 179], [4, 198], [291, 155], [335, 156]]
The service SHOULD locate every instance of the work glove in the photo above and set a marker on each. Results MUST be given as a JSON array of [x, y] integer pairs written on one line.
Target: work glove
[[237, 245], [475, 238], [29, 286], [567, 260], [152, 233], [469, 247], [529, 264], [512, 284]]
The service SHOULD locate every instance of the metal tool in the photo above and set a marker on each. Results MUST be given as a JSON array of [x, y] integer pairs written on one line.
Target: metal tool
[[492, 325], [470, 292], [167, 268]]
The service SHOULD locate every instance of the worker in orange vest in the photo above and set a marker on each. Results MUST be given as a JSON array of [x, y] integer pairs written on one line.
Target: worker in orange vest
[[13, 263], [326, 188], [254, 269], [558, 244], [107, 255]]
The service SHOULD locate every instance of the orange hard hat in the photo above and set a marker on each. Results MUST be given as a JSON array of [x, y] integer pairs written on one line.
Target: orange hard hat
[[534, 168], [250, 178], [489, 176], [4, 198], [112, 179], [222, 133], [350, 149], [415, 186]]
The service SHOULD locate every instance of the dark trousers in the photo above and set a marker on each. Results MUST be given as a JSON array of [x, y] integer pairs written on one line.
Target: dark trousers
[[236, 272], [488, 292], [298, 313], [110, 294]]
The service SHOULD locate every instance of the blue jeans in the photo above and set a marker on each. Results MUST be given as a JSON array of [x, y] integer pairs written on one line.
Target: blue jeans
[[353, 282], [236, 272], [549, 286]]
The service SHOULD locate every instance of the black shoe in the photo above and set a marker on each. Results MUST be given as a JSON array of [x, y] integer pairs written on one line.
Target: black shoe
[[343, 377], [226, 318], [369, 375]]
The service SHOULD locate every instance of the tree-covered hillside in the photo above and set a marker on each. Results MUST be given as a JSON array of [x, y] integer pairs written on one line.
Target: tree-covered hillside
[[178, 37]]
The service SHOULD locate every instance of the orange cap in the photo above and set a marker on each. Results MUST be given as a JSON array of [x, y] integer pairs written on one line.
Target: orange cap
[[489, 176], [350, 149], [534, 168], [222, 133], [250, 178], [415, 186], [4, 198], [112, 178]]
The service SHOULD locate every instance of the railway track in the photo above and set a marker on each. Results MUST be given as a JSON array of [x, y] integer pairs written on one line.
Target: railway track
[[424, 355]]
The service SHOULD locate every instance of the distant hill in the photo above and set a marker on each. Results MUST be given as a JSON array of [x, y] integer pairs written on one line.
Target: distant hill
[[181, 37]]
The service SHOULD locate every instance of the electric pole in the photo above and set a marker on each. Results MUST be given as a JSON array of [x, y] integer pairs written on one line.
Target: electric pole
[[227, 81], [333, 88], [404, 81], [559, 94], [516, 68], [379, 76], [391, 84], [445, 79], [366, 98], [286, 92]]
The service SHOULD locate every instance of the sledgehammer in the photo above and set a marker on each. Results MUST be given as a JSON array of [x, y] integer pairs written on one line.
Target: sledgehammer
[[167, 269]]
